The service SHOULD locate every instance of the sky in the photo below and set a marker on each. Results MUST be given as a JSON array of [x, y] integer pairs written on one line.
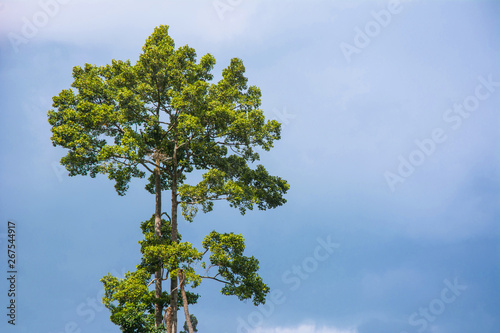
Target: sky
[[390, 143]]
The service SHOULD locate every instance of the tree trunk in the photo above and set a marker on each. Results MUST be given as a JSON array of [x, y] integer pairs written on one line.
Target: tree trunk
[[168, 320], [158, 277], [185, 302], [173, 281]]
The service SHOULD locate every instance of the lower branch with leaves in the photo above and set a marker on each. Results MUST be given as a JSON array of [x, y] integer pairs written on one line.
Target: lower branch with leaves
[[131, 299]]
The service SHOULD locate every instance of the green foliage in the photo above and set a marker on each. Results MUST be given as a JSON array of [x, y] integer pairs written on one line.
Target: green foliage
[[162, 118], [152, 243], [124, 120], [194, 322], [130, 300], [241, 186], [239, 271]]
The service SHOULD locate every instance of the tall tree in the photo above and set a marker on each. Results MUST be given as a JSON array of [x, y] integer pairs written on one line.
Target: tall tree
[[162, 118]]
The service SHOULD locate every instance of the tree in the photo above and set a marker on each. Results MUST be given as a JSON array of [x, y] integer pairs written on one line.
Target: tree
[[194, 322], [163, 119]]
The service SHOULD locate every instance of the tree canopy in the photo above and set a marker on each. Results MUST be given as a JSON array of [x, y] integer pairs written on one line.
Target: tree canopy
[[163, 119]]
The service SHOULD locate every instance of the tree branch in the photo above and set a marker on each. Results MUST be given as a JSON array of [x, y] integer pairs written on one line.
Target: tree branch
[[144, 165], [162, 279], [166, 215], [185, 302], [214, 278], [202, 200]]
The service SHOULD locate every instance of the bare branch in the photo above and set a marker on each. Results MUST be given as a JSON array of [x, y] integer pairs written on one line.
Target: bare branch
[[162, 279], [144, 165], [119, 128], [214, 278]]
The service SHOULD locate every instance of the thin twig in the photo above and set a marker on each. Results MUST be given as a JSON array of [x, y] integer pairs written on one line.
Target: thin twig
[[214, 278]]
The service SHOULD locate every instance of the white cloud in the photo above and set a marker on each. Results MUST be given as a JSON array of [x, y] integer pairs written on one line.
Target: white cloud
[[306, 328]]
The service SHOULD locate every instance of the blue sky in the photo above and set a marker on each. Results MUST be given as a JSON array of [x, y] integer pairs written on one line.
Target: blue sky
[[390, 143]]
